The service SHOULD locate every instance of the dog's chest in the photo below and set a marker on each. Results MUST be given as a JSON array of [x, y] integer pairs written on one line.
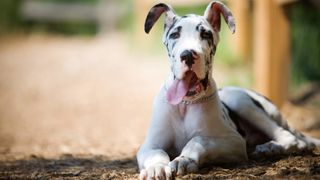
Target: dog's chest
[[181, 137], [180, 126], [190, 121]]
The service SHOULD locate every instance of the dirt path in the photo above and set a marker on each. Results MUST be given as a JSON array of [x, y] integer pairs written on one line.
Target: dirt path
[[306, 166], [78, 108], [69, 95]]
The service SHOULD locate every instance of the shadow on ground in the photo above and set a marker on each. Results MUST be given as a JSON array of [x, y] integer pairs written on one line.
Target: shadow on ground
[[100, 167], [69, 166]]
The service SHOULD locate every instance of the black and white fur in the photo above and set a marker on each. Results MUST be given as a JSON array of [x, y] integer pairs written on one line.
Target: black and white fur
[[224, 127]]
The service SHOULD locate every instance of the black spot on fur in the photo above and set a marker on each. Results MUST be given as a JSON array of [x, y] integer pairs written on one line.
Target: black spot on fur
[[235, 118], [198, 27], [173, 24], [205, 81], [206, 35], [173, 45], [213, 50], [252, 134], [264, 97], [258, 104], [208, 59], [179, 28]]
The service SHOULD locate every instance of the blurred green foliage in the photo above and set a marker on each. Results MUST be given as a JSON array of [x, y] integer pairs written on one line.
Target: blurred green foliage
[[9, 17], [11, 20], [305, 35], [74, 1], [304, 19]]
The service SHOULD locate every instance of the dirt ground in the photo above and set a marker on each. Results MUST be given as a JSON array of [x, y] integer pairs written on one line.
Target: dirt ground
[[67, 166], [78, 108]]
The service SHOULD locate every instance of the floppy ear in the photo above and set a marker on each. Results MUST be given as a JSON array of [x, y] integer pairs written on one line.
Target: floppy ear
[[212, 14], [154, 14]]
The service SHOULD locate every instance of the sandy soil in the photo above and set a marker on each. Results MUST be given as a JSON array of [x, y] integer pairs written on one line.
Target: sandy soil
[[78, 108]]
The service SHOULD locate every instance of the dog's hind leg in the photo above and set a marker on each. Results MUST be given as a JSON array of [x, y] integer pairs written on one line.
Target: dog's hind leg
[[259, 112], [275, 114]]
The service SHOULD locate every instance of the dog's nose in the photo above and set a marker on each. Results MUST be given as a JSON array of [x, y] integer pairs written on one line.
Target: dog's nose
[[188, 57]]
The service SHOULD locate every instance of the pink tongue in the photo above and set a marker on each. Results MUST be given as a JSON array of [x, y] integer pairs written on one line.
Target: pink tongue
[[179, 88]]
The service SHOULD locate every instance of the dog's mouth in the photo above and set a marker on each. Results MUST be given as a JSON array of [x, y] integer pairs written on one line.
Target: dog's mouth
[[189, 86]]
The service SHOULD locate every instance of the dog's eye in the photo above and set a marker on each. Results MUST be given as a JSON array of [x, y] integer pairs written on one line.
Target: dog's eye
[[206, 35], [174, 35]]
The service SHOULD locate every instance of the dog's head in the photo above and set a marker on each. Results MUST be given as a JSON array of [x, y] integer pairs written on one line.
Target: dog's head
[[191, 41]]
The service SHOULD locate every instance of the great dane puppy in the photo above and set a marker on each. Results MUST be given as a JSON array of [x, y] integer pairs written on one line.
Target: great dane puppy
[[194, 123]]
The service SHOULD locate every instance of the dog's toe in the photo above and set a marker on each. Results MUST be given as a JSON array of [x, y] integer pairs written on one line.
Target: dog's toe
[[168, 172], [183, 165], [143, 175], [157, 171]]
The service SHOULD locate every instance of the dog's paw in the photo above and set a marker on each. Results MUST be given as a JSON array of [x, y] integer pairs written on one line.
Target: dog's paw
[[183, 165], [268, 149], [291, 143], [277, 148], [157, 171]]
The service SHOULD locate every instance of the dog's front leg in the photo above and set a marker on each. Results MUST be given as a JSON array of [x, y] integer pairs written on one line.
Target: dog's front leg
[[152, 157], [201, 149], [154, 164]]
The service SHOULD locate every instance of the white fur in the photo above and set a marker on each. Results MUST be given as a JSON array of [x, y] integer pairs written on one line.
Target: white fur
[[194, 134], [197, 132]]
